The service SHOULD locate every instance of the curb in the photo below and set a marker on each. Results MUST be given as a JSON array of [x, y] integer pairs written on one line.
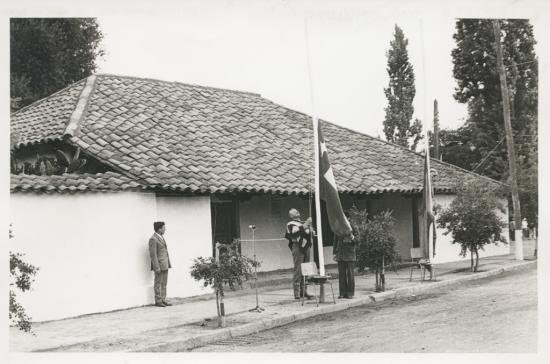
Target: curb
[[266, 324]]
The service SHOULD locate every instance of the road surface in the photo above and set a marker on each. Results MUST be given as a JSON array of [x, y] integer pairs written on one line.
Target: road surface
[[494, 315]]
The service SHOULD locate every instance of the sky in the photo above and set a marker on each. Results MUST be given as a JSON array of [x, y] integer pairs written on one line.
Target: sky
[[263, 49]]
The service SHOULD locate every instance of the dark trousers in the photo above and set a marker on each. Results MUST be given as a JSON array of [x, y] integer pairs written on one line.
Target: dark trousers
[[161, 279], [346, 278], [299, 256]]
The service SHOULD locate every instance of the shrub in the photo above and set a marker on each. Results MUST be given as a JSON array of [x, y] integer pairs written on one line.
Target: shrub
[[376, 242], [472, 219], [22, 276], [230, 269]]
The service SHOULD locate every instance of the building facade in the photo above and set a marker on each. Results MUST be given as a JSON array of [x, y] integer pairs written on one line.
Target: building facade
[[208, 162]]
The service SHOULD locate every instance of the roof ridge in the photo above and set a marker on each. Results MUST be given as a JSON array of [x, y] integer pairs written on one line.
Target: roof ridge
[[81, 106], [178, 83]]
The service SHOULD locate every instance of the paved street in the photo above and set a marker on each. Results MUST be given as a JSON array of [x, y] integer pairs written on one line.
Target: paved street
[[497, 314]]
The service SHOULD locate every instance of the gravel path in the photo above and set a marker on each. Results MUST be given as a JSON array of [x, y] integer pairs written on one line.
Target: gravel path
[[495, 315]]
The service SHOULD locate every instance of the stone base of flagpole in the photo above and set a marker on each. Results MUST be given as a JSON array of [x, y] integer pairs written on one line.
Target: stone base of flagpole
[[322, 293]]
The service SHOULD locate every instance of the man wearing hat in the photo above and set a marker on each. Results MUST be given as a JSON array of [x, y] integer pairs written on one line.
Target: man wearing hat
[[298, 234]]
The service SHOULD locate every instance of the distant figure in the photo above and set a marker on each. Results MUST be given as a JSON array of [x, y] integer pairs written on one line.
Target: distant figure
[[160, 263], [345, 253], [525, 228], [298, 234]]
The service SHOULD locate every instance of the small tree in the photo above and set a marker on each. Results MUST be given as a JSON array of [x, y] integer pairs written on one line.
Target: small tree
[[376, 242], [228, 270], [21, 274], [472, 219]]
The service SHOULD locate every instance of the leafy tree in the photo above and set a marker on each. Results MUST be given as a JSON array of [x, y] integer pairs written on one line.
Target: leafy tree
[[400, 94], [22, 276], [478, 85], [47, 54], [229, 270], [472, 219], [456, 147], [377, 243]]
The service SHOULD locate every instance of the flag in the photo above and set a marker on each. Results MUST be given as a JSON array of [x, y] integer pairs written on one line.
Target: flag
[[338, 222], [427, 217]]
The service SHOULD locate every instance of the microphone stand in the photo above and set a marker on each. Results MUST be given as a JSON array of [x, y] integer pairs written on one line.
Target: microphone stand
[[257, 308]]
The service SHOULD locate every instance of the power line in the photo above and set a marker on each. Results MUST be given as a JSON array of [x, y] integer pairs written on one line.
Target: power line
[[488, 155], [517, 64]]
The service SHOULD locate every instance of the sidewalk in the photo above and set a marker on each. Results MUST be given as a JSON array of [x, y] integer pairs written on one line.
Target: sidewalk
[[152, 328]]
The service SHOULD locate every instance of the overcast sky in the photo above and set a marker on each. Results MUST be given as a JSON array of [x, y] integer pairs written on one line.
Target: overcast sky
[[259, 46], [262, 49]]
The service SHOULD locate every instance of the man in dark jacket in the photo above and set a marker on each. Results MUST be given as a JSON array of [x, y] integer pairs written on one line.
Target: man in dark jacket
[[160, 263], [345, 253]]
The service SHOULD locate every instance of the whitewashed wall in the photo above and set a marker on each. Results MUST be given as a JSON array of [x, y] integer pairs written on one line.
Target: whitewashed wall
[[92, 248], [446, 251], [188, 235]]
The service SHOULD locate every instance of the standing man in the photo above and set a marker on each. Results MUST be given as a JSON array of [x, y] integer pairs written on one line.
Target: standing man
[[345, 253], [160, 263], [299, 242]]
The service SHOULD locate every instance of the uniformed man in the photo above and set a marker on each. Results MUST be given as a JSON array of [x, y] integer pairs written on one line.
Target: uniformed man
[[298, 234]]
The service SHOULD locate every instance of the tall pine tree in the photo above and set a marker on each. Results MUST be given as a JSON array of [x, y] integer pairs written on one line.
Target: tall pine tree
[[400, 94], [478, 86]]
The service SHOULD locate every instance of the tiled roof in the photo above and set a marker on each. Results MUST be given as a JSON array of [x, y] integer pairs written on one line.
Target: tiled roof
[[45, 119], [101, 182], [185, 137]]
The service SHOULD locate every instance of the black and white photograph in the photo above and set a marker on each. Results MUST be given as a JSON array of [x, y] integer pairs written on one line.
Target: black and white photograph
[[287, 177]]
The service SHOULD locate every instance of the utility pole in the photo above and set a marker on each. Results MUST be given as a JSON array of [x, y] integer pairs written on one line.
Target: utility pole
[[509, 142], [436, 131]]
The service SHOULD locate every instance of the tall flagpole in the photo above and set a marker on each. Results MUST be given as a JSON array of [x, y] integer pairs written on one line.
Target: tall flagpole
[[426, 136], [316, 154]]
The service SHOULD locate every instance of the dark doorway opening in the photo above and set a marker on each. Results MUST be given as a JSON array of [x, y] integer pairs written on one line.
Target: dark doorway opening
[[225, 220]]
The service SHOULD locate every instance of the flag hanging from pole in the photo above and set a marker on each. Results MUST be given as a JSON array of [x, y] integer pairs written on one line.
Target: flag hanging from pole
[[427, 216], [339, 224]]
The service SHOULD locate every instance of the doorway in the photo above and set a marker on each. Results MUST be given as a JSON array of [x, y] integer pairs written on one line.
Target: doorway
[[225, 220]]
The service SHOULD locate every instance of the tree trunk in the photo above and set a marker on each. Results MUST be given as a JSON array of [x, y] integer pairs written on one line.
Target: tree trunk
[[218, 304], [383, 277], [477, 258], [471, 260], [377, 285], [221, 318]]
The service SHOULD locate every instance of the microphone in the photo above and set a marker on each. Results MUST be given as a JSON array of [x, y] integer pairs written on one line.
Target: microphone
[[253, 227]]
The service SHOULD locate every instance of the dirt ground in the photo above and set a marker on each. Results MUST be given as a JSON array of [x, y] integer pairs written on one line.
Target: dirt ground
[[495, 315]]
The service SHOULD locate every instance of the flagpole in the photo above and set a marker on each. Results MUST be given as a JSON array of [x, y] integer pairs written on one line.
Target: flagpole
[[315, 123], [426, 136]]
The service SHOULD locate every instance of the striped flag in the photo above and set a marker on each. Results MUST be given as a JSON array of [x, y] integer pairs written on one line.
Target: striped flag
[[329, 191]]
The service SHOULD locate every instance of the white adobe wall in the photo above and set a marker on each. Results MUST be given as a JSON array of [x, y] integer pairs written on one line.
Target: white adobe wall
[[188, 236], [446, 251], [92, 249]]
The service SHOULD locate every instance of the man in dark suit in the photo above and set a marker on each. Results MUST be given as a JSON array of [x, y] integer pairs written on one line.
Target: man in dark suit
[[160, 263]]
